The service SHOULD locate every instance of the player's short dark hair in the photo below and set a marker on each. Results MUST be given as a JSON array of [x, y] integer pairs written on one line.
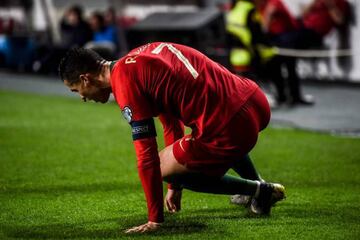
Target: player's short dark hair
[[79, 61]]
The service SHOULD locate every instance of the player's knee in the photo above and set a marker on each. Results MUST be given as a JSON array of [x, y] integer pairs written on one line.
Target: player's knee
[[164, 156], [169, 165]]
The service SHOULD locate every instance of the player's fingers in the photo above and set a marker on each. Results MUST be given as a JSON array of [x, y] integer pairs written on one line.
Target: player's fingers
[[167, 205], [150, 226], [131, 230], [170, 206], [136, 229], [173, 207], [145, 229]]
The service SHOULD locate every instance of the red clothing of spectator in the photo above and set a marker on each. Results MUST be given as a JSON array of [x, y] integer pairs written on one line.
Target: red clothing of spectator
[[319, 19], [277, 18]]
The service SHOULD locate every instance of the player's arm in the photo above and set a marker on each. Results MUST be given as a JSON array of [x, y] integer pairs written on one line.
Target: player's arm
[[128, 87], [148, 164], [137, 111]]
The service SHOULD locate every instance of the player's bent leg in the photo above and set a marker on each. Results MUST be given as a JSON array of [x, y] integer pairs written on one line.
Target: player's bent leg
[[264, 194], [169, 168], [174, 172], [169, 165], [246, 169]]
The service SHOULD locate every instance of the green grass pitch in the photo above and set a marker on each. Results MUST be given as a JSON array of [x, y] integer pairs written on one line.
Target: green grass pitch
[[68, 171]]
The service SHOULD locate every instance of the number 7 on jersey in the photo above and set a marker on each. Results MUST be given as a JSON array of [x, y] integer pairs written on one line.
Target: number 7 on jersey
[[179, 55]]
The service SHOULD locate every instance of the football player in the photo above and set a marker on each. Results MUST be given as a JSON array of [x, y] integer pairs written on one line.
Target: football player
[[182, 87]]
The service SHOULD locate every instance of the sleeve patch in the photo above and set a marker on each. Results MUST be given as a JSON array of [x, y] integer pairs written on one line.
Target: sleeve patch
[[143, 129], [127, 113]]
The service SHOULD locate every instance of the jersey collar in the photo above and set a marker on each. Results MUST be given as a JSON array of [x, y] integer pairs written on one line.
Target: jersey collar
[[112, 64]]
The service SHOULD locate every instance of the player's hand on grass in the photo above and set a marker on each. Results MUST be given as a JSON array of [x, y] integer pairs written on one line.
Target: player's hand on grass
[[173, 200], [147, 227]]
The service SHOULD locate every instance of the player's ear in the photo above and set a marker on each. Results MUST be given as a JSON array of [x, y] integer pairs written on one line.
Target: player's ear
[[84, 79]]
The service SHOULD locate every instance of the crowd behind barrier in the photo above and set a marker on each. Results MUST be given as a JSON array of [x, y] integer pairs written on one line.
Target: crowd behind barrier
[[271, 37], [24, 50], [265, 40]]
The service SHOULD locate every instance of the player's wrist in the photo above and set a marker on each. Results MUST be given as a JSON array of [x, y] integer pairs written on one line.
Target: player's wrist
[[155, 223], [175, 187], [156, 219]]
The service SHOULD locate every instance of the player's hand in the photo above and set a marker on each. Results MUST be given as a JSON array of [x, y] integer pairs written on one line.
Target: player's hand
[[147, 227], [173, 200]]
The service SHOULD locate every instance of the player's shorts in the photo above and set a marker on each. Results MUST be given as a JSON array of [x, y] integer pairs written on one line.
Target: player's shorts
[[215, 157]]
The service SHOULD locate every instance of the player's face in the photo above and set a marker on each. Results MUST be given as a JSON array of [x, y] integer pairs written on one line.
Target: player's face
[[89, 89]]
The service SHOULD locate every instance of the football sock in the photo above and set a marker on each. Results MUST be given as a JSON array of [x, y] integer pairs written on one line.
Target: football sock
[[246, 169], [227, 184]]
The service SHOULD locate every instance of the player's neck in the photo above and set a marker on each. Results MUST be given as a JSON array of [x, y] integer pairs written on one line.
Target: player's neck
[[104, 75]]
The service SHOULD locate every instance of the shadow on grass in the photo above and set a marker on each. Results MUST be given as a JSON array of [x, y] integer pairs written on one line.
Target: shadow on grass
[[69, 188], [231, 212], [193, 221], [327, 214], [186, 223], [59, 231], [90, 230]]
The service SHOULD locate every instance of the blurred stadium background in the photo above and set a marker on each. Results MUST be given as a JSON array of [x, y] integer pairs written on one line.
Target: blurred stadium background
[[27, 27]]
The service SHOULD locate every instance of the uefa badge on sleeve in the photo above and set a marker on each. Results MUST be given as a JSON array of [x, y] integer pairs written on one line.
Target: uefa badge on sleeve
[[127, 113]]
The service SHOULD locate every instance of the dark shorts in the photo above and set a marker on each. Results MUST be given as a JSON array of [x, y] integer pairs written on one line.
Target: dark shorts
[[232, 143]]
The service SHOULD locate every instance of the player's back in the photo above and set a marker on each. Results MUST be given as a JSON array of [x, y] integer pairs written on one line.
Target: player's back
[[181, 81]]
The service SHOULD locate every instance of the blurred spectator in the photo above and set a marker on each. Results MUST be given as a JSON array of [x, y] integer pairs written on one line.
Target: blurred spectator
[[252, 53], [344, 36], [104, 40], [276, 20], [74, 30], [249, 47], [319, 18], [110, 17], [6, 26], [17, 46], [280, 26], [101, 31], [112, 22]]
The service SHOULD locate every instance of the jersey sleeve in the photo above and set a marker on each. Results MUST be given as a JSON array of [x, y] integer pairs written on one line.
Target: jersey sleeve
[[173, 128], [137, 110]]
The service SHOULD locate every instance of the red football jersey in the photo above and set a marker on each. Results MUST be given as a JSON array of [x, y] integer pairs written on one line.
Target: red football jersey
[[179, 82]]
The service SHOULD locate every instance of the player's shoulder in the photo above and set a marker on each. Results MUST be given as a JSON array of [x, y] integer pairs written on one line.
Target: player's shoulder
[[142, 56]]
